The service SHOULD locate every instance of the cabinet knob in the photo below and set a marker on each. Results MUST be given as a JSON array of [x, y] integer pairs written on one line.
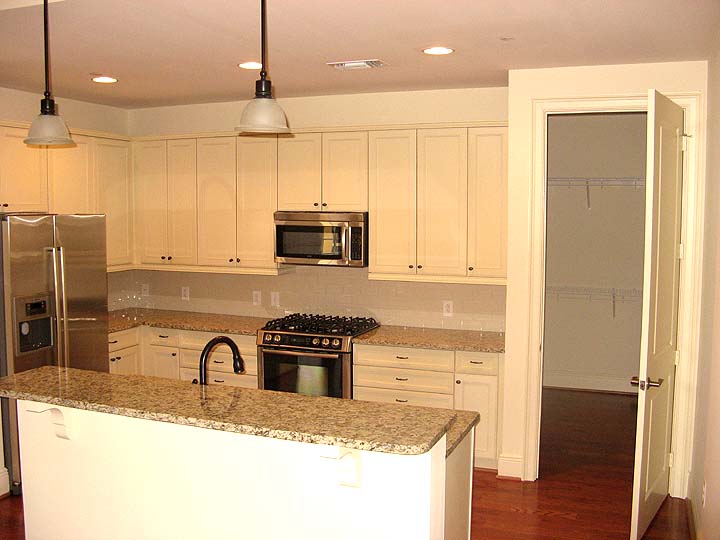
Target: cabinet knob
[[231, 260], [316, 204], [112, 359], [173, 354], [324, 204], [237, 260], [5, 205], [118, 358], [419, 266], [169, 257], [163, 257], [411, 266], [470, 268], [457, 382]]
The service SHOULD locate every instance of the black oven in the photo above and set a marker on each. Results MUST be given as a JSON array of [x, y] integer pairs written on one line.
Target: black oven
[[305, 372]]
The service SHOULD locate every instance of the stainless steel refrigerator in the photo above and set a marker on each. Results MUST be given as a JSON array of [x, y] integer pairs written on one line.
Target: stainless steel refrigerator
[[54, 302]]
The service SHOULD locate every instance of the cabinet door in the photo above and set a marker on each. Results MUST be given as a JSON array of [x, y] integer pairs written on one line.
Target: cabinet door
[[392, 175], [345, 172], [161, 362], [299, 172], [182, 201], [442, 202], [216, 201], [124, 361], [150, 172], [479, 393], [71, 179], [256, 200], [112, 171], [487, 202], [23, 173]]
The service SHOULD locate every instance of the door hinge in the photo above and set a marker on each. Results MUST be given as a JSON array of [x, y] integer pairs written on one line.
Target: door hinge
[[671, 459], [681, 251], [677, 357]]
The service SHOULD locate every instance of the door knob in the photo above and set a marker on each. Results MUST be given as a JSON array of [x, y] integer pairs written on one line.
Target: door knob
[[655, 384], [635, 381]]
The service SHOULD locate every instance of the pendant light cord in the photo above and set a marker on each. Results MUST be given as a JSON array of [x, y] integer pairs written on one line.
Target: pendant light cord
[[47, 54], [263, 26]]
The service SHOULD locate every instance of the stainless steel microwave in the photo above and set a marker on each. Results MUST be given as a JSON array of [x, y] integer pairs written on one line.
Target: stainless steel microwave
[[321, 238]]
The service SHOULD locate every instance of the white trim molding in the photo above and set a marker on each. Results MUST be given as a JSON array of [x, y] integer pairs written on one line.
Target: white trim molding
[[4, 481], [691, 272]]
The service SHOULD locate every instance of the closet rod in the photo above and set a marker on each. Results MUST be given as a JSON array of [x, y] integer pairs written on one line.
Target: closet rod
[[578, 181]]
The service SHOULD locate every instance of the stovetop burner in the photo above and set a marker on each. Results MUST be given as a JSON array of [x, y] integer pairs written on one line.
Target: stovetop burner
[[322, 324]]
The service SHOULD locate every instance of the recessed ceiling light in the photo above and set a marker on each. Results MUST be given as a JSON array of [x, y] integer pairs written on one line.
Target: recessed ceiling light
[[250, 65], [437, 51], [104, 79]]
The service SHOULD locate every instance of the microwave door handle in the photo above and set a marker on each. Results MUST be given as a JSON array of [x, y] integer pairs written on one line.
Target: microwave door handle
[[59, 336], [345, 243]]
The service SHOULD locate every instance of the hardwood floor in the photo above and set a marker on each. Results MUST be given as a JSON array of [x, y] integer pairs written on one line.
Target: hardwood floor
[[585, 486]]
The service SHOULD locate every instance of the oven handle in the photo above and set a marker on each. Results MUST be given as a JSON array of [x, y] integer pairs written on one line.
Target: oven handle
[[300, 353]]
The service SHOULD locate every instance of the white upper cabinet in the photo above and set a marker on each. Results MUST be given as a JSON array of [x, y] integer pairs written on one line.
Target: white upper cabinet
[[71, 179], [182, 201], [392, 182], [299, 172], [150, 174], [487, 202], [345, 172], [256, 200], [23, 173], [216, 201], [442, 202], [112, 170]]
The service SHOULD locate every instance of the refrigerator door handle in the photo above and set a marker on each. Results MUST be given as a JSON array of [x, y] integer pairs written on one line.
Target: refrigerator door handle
[[59, 335], [66, 334]]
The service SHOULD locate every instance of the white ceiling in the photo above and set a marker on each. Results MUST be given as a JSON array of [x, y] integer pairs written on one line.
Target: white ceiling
[[167, 52]]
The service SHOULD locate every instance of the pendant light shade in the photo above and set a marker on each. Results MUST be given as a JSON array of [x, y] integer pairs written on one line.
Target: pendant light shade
[[48, 129], [263, 114]]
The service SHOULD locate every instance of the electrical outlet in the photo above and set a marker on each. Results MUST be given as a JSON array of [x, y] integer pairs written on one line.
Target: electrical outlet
[[145, 289], [257, 298], [275, 299], [447, 308], [704, 492], [185, 293]]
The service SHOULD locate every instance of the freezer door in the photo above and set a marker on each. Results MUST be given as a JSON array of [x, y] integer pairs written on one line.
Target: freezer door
[[27, 278], [80, 241]]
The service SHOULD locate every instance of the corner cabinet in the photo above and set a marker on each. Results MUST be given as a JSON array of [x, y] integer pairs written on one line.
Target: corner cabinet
[[438, 205]]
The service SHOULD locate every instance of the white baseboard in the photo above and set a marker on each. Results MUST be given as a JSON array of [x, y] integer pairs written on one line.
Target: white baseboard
[[564, 379], [4, 482], [510, 466]]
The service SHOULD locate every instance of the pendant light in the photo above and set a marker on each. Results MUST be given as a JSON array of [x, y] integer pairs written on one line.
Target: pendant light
[[48, 129], [263, 114]]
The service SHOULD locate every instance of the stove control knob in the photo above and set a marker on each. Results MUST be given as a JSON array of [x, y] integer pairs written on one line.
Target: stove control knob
[[268, 337], [316, 341], [325, 342], [336, 343], [277, 338]]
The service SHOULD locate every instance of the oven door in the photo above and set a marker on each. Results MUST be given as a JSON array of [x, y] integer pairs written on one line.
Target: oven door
[[302, 372], [320, 242]]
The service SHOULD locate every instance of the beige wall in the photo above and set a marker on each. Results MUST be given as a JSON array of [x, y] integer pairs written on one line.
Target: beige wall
[[18, 106], [525, 89], [431, 106], [706, 442], [589, 341], [341, 291]]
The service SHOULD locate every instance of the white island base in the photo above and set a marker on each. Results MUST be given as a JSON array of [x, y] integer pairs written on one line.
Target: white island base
[[96, 476]]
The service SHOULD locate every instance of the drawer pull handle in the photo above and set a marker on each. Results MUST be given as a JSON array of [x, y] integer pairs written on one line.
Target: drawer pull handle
[[164, 337], [401, 379], [113, 359], [476, 362], [401, 400], [218, 361], [113, 341], [118, 358], [219, 380], [402, 357]]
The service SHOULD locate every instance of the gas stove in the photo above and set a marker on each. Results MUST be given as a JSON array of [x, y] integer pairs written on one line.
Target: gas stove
[[314, 332]]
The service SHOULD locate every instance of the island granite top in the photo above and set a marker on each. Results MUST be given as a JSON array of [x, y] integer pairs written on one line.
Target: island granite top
[[362, 425]]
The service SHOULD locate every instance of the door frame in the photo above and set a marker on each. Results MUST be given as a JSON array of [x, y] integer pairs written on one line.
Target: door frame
[[693, 208]]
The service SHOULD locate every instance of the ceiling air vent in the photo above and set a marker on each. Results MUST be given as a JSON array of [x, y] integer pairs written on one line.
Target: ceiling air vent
[[356, 64]]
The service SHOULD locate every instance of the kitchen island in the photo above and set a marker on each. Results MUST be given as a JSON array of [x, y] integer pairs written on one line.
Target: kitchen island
[[109, 456]]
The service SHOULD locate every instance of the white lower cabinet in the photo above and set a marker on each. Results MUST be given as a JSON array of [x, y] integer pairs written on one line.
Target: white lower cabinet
[[434, 378], [161, 362], [124, 361]]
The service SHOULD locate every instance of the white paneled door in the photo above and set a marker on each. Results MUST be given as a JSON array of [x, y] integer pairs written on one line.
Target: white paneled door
[[658, 345]]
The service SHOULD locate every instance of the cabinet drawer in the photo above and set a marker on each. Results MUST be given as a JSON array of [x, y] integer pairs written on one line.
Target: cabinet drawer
[[122, 339], [163, 336], [420, 399], [403, 379], [198, 340], [476, 362], [221, 378], [217, 361], [403, 357]]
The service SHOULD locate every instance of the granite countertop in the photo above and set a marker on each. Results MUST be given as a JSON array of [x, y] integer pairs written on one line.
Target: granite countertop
[[362, 425], [397, 336], [435, 338]]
